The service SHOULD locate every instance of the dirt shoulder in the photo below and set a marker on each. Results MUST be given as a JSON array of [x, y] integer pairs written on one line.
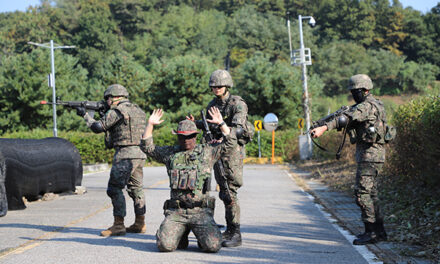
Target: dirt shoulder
[[332, 184]]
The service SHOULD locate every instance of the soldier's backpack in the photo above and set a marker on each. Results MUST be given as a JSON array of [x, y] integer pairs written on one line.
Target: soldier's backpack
[[388, 133], [248, 133]]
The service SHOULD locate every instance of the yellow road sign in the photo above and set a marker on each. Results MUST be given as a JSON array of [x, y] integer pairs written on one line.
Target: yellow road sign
[[300, 123], [258, 125]]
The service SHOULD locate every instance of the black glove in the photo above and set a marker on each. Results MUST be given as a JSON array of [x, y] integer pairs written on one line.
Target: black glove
[[81, 111]]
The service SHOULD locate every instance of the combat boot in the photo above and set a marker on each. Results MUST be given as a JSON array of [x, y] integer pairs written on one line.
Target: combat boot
[[138, 226], [366, 238], [367, 230], [379, 229], [117, 229], [227, 234], [235, 239]]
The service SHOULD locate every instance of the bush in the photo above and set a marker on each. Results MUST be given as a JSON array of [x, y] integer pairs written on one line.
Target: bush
[[286, 144], [416, 150]]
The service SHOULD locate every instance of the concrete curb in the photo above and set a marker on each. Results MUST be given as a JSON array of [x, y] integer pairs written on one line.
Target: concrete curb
[[87, 168]]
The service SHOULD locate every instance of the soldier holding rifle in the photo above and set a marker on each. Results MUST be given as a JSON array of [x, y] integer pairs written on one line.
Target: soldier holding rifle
[[123, 125], [365, 122]]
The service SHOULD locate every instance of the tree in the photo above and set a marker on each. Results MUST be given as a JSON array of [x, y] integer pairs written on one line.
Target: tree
[[180, 85], [346, 20], [122, 69], [274, 87], [336, 62], [23, 84], [390, 29], [252, 31]]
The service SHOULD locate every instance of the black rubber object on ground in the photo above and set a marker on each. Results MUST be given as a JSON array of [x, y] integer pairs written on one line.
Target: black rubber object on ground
[[33, 167]]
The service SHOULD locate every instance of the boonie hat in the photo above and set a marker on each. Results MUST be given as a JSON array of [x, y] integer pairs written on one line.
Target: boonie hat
[[186, 128]]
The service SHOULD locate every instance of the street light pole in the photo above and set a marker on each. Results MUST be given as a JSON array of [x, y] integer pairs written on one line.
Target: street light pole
[[52, 78], [302, 57], [305, 89]]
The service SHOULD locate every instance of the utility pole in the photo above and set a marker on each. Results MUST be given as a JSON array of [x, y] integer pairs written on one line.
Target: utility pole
[[51, 77]]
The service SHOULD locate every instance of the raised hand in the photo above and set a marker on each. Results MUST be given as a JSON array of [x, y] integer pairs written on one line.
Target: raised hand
[[155, 117], [191, 117], [215, 115]]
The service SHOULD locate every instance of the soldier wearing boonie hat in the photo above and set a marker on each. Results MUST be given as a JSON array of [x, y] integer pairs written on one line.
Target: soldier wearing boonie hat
[[189, 165]]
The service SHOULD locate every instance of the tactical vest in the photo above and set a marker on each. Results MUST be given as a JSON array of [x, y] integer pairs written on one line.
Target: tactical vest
[[128, 132], [373, 131], [228, 114], [186, 170]]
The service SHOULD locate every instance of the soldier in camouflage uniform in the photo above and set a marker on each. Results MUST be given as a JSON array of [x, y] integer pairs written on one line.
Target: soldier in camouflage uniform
[[366, 128], [234, 111], [189, 166], [123, 125]]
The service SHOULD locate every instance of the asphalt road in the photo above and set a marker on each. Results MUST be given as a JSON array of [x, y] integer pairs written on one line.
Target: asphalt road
[[280, 224]]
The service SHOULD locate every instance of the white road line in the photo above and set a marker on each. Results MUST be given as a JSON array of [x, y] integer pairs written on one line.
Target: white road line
[[369, 256]]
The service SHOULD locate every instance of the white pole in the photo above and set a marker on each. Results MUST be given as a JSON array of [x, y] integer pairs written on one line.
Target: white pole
[[305, 91], [54, 97]]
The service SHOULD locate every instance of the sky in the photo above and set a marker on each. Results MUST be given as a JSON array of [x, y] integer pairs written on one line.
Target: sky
[[21, 5]]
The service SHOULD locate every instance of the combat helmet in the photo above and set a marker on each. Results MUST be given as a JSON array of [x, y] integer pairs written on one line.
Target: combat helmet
[[360, 81], [220, 78], [115, 90]]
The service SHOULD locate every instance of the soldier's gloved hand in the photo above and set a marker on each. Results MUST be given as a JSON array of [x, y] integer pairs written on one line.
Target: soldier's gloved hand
[[81, 111]]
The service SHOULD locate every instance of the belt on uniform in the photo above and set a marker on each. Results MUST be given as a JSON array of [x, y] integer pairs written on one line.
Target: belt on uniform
[[178, 204]]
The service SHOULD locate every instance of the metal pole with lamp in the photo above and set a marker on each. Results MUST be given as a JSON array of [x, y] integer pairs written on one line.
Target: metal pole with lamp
[[302, 57]]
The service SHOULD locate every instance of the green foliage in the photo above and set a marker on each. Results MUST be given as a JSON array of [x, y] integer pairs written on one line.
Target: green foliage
[[252, 31], [336, 62], [164, 51], [180, 86], [272, 87], [418, 128], [286, 144], [23, 84], [415, 78], [122, 69]]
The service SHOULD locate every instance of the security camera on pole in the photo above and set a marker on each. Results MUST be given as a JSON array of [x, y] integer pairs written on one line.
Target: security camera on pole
[[302, 57]]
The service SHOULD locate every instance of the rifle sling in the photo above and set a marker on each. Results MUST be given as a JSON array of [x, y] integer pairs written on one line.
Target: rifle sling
[[338, 153]]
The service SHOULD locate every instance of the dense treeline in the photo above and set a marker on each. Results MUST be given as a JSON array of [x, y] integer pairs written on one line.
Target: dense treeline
[[164, 51]]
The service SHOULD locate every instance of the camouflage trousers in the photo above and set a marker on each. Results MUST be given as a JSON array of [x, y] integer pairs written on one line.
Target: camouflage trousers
[[366, 191], [126, 172], [181, 221], [233, 166]]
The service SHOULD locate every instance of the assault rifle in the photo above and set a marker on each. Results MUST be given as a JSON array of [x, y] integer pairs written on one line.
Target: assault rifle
[[341, 119], [341, 123], [100, 106], [220, 175]]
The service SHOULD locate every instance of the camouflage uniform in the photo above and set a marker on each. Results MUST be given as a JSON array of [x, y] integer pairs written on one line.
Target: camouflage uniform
[[369, 130], [123, 125], [190, 207], [370, 153], [234, 111]]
